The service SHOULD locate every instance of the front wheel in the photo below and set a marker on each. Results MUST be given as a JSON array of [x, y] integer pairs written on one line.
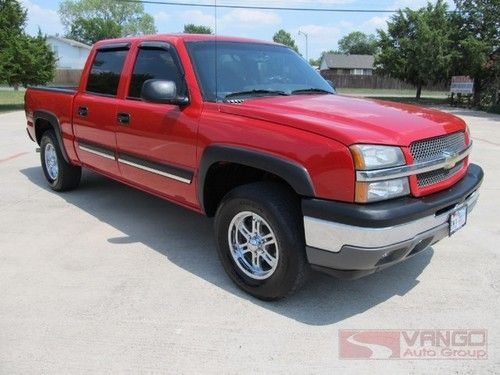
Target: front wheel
[[260, 240], [60, 175]]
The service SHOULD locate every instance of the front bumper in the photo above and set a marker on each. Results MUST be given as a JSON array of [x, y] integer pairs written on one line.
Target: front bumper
[[352, 240]]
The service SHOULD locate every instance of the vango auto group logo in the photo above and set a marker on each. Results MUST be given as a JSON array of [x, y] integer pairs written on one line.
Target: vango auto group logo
[[413, 344]]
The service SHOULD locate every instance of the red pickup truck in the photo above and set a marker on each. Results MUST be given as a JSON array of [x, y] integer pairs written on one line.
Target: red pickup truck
[[296, 176]]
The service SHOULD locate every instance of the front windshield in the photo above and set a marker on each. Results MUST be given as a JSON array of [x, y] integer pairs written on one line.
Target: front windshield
[[252, 69]]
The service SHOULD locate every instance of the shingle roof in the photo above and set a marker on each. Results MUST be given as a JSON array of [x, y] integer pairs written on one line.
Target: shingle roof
[[70, 42], [334, 61]]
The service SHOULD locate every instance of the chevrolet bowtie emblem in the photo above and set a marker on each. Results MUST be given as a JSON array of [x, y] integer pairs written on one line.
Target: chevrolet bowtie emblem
[[451, 159]]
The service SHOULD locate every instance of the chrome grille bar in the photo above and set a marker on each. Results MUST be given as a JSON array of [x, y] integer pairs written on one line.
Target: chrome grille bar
[[443, 161]]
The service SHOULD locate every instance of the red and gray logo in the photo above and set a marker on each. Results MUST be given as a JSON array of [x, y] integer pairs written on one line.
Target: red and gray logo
[[369, 344], [413, 344]]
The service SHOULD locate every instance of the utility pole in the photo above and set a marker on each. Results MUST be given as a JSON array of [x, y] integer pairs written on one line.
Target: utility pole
[[306, 35]]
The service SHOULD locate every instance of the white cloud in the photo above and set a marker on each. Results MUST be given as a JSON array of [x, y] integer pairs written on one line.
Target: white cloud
[[272, 3], [377, 21], [324, 31], [289, 3], [161, 17], [199, 18], [415, 4], [320, 38], [236, 18], [246, 17], [45, 19]]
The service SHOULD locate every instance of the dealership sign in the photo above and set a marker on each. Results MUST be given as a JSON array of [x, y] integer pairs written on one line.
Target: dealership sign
[[413, 344], [462, 85]]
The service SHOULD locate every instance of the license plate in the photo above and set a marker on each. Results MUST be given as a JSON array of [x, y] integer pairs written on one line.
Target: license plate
[[458, 219]]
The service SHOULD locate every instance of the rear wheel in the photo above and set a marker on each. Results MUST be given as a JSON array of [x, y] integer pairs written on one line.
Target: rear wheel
[[260, 240], [60, 175]]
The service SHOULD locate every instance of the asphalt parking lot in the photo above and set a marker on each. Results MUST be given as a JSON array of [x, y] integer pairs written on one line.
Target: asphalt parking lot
[[108, 279]]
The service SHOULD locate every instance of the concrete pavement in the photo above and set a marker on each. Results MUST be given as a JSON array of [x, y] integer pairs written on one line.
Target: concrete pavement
[[108, 279]]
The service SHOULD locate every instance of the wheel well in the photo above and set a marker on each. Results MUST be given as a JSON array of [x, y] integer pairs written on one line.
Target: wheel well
[[41, 126], [224, 176]]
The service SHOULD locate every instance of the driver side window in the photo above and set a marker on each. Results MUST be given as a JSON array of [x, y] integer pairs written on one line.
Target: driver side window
[[154, 63]]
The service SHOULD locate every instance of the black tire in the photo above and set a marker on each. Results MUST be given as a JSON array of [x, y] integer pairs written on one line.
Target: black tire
[[68, 175], [280, 208]]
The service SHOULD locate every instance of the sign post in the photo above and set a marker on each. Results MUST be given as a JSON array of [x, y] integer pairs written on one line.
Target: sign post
[[461, 86]]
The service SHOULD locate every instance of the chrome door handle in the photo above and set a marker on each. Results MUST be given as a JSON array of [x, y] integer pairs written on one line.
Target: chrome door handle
[[123, 118], [83, 111]]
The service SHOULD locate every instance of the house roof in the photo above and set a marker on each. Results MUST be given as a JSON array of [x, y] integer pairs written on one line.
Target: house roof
[[71, 42], [334, 61]]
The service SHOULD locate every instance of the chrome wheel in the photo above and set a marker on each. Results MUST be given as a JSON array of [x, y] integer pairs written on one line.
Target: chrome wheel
[[51, 161], [253, 245]]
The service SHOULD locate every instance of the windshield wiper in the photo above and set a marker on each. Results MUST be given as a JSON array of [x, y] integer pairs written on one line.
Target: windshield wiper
[[311, 90], [255, 92]]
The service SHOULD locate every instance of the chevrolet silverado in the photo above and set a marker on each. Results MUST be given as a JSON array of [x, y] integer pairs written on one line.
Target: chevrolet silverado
[[296, 176]]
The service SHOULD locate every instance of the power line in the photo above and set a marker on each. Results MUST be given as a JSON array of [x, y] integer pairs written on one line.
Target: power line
[[257, 7]]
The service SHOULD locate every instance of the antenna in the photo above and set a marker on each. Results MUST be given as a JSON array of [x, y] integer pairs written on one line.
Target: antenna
[[215, 55]]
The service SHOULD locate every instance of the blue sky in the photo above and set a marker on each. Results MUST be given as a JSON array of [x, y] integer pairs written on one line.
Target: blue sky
[[324, 28]]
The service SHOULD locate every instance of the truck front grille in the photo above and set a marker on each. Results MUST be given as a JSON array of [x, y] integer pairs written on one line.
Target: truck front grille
[[433, 177], [434, 148]]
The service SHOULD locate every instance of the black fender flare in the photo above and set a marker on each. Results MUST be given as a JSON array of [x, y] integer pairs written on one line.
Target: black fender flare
[[293, 173], [54, 122]]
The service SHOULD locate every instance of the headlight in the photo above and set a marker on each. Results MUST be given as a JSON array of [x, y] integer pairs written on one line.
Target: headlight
[[381, 190], [368, 157]]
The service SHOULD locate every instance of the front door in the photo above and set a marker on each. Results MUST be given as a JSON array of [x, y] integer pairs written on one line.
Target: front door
[[156, 143]]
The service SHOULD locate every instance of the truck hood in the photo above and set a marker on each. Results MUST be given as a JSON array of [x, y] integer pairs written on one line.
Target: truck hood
[[348, 119]]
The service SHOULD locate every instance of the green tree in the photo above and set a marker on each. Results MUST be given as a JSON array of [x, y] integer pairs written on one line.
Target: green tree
[[91, 30], [358, 43], [107, 16], [417, 47], [24, 60], [29, 61], [477, 42], [191, 28], [284, 37], [12, 22]]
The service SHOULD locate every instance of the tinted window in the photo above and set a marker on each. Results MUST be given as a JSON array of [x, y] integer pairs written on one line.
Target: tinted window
[[251, 66], [105, 72], [154, 64]]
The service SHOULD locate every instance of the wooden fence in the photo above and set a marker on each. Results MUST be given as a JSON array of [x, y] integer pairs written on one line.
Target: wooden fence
[[374, 82], [70, 77]]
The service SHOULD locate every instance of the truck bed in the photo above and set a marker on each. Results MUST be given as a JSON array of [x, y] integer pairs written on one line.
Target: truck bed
[[57, 103]]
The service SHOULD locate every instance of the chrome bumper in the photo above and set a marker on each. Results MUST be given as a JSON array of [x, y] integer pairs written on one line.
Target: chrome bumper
[[350, 240], [331, 236]]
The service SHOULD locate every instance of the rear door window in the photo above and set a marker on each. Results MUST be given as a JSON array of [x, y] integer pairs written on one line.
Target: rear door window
[[105, 73]]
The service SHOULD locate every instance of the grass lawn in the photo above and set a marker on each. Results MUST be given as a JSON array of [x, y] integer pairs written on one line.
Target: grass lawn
[[11, 100]]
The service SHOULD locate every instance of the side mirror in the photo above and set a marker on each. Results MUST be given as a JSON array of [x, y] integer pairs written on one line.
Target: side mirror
[[161, 91], [332, 85]]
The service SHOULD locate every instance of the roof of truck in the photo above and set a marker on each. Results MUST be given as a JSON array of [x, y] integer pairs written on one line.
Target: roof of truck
[[184, 37]]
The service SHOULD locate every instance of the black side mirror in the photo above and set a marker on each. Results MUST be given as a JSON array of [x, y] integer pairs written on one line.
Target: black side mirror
[[162, 91]]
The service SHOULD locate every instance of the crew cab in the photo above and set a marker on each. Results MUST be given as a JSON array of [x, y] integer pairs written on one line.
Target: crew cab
[[297, 176]]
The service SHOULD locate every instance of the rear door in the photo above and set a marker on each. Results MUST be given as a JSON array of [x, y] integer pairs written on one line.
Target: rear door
[[94, 117], [156, 143]]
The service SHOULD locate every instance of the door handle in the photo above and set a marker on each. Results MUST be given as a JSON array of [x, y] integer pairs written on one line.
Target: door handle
[[83, 111], [123, 118]]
